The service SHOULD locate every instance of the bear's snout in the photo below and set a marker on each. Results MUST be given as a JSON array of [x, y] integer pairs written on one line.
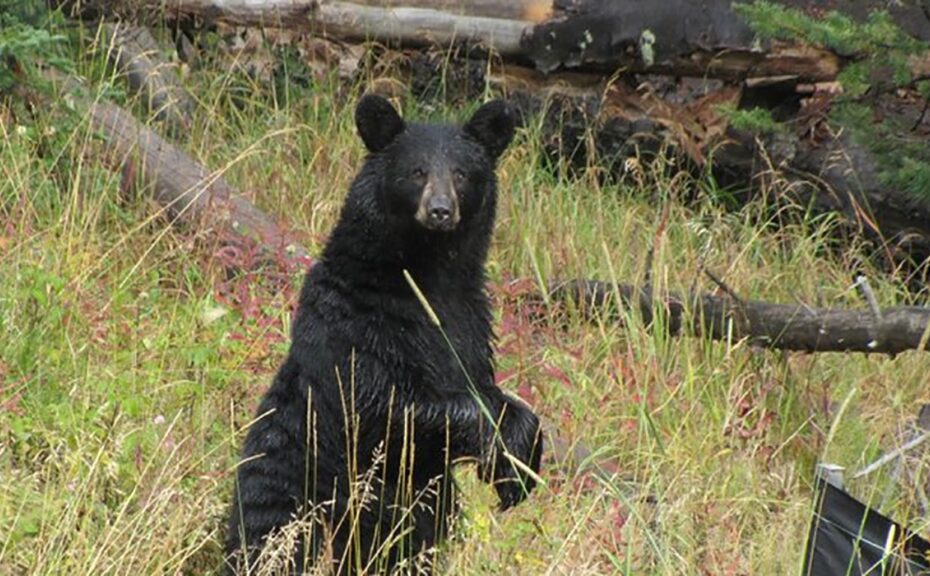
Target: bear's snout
[[439, 211], [439, 206]]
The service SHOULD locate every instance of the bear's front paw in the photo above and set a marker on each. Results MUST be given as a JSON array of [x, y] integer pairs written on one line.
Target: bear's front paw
[[521, 435]]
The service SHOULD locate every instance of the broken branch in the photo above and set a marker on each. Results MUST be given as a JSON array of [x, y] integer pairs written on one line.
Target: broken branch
[[763, 324]]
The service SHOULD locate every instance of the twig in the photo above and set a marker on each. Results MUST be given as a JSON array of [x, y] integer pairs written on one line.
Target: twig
[[923, 114], [656, 238], [723, 286], [892, 455], [874, 91], [862, 284]]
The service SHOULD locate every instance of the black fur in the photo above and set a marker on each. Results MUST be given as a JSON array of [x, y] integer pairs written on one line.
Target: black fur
[[367, 357]]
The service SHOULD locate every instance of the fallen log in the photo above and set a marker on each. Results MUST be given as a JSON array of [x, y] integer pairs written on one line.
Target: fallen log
[[762, 324], [135, 54], [405, 26], [602, 38], [187, 190], [417, 27], [710, 41], [277, 13], [528, 10]]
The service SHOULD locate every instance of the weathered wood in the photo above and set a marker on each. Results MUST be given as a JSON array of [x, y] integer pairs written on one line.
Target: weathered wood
[[134, 53], [344, 20], [712, 41], [528, 10], [685, 37], [417, 26], [594, 36], [187, 190], [762, 324], [282, 13]]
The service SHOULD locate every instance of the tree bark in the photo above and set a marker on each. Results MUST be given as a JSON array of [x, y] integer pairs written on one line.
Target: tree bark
[[407, 26], [685, 36], [135, 54], [418, 27], [527, 10], [762, 324], [277, 13]]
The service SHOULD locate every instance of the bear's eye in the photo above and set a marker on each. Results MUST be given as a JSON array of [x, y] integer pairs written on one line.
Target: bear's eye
[[418, 173], [459, 176]]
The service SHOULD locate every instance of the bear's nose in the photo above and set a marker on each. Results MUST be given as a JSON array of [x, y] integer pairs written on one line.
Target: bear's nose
[[440, 213], [439, 209]]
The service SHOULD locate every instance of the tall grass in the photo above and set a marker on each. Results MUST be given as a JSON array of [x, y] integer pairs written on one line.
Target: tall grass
[[130, 363]]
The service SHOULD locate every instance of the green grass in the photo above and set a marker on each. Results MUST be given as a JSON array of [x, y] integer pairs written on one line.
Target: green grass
[[130, 364]]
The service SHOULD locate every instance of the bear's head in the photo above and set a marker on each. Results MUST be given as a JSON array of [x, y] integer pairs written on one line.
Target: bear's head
[[435, 176]]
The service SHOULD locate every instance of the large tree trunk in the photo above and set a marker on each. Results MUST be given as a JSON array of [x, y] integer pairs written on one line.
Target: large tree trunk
[[417, 27], [401, 26]]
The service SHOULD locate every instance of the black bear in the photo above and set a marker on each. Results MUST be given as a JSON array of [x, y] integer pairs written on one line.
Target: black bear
[[389, 380]]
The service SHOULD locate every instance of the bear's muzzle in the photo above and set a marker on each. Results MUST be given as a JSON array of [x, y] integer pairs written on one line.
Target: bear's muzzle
[[439, 205]]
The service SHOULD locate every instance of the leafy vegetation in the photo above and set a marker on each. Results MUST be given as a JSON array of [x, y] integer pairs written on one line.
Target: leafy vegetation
[[25, 40], [883, 62], [757, 120], [833, 30], [131, 361]]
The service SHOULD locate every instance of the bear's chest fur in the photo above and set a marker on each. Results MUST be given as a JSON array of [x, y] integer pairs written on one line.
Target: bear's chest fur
[[338, 322]]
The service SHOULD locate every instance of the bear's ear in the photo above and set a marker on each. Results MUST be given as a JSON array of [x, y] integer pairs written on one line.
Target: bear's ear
[[377, 121], [492, 126]]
